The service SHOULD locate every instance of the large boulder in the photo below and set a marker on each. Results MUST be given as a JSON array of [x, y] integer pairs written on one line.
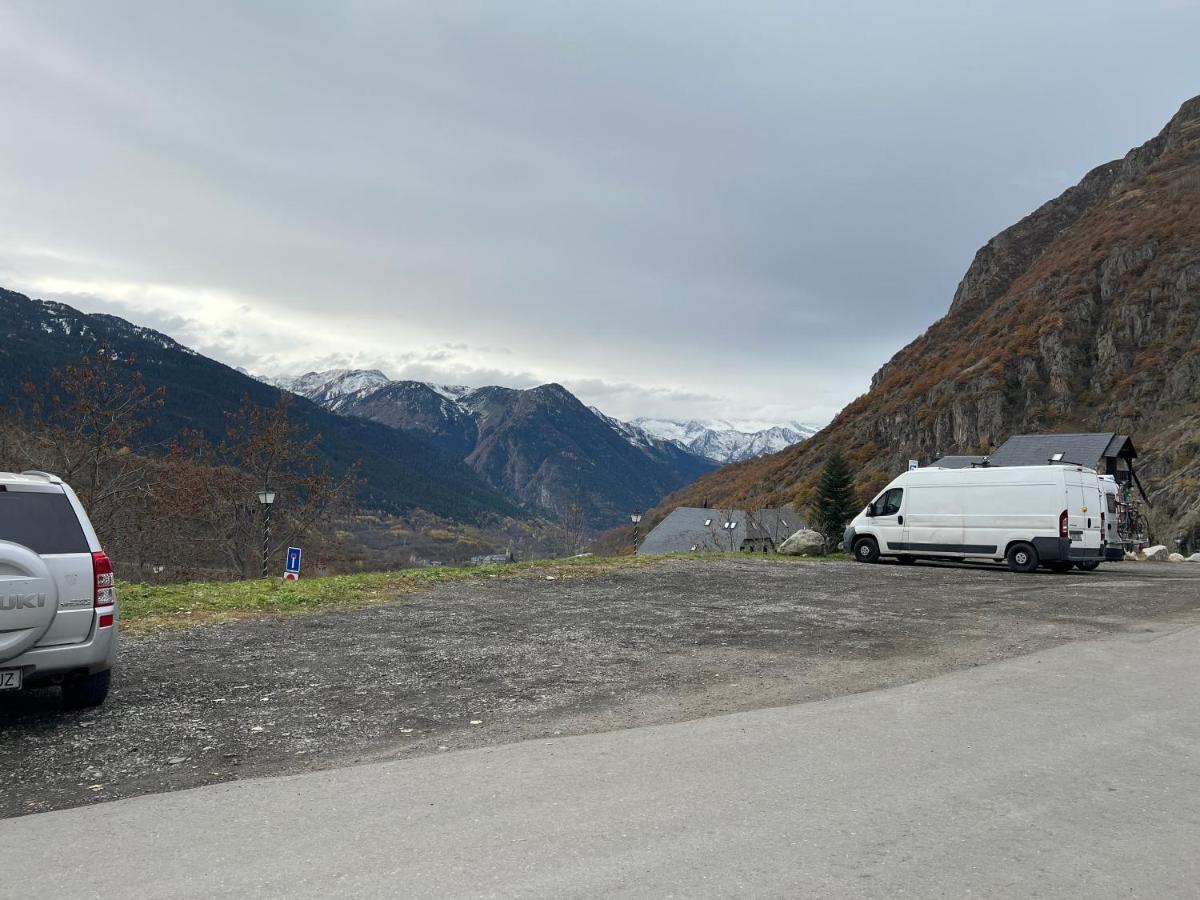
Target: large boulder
[[1130, 557], [1195, 557], [804, 542], [1177, 557], [1158, 553]]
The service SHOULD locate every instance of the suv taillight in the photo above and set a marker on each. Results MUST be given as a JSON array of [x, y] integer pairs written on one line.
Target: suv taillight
[[102, 569], [1062, 525]]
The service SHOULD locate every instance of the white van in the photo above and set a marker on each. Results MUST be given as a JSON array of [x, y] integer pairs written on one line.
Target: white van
[[1030, 516]]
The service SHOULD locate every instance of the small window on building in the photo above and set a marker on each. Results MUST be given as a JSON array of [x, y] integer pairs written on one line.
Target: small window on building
[[1057, 457], [707, 522]]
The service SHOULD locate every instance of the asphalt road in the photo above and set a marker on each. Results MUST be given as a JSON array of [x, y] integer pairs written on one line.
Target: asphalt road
[[501, 661], [1071, 772]]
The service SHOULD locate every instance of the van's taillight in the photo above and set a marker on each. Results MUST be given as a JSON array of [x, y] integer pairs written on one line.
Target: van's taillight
[[1062, 525], [102, 569]]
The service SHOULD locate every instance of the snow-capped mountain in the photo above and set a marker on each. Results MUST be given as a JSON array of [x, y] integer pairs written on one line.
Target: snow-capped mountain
[[361, 392], [341, 388], [540, 447], [721, 441]]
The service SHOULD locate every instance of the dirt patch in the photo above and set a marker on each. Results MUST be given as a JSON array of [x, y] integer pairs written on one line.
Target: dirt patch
[[487, 662]]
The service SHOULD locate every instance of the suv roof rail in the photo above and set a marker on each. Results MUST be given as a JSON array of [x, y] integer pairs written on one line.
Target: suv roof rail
[[53, 479]]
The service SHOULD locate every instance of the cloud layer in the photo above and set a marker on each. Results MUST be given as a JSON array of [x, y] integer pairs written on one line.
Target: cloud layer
[[673, 209]]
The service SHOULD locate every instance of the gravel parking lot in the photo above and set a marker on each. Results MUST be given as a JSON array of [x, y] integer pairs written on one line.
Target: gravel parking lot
[[495, 661]]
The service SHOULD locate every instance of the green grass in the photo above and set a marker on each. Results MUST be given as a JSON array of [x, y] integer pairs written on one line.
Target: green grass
[[153, 607]]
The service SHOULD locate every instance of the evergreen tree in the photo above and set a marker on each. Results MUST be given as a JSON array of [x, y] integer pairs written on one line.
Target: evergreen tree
[[836, 503]]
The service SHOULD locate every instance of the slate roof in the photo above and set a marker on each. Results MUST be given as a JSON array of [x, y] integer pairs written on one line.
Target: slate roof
[[1086, 449], [957, 462], [685, 529]]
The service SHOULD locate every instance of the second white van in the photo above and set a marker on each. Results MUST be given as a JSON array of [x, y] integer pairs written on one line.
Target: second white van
[[1028, 516]]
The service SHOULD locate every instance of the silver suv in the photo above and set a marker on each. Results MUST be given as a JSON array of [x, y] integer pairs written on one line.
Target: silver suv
[[58, 605]]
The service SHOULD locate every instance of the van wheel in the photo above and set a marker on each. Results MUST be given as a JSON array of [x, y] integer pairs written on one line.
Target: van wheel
[[1089, 565], [83, 691], [866, 550], [1021, 557]]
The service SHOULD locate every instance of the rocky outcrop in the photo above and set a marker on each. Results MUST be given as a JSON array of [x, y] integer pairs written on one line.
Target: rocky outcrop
[[803, 543], [1084, 316], [1157, 553]]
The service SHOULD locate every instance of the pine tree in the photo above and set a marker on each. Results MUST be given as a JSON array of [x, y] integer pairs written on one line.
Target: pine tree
[[836, 503]]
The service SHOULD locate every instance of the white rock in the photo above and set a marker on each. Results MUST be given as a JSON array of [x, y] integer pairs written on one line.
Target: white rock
[[1195, 557], [1158, 553], [803, 543], [1130, 557], [1177, 557]]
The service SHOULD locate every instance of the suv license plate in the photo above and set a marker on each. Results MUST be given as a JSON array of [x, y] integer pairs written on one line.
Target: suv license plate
[[10, 679]]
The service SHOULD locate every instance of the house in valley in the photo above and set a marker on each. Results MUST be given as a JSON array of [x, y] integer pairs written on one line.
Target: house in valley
[[695, 529]]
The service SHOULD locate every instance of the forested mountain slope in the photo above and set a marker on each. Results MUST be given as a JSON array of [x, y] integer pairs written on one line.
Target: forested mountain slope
[[400, 472]]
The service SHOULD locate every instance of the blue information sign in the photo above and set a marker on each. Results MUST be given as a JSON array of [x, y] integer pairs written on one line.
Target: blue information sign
[[293, 561]]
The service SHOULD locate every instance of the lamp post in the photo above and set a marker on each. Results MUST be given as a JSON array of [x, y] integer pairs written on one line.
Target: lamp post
[[266, 497], [635, 517]]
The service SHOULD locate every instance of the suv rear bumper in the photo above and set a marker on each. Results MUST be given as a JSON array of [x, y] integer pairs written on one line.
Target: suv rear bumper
[[45, 664]]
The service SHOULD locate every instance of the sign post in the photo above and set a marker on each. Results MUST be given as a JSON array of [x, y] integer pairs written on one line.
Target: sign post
[[913, 464], [291, 571]]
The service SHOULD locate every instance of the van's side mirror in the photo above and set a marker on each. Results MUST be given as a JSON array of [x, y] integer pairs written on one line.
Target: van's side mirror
[[870, 510]]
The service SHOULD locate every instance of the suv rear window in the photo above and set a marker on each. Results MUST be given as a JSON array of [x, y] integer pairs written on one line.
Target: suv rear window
[[43, 522]]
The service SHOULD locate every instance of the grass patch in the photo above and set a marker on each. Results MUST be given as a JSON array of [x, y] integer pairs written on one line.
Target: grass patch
[[155, 607]]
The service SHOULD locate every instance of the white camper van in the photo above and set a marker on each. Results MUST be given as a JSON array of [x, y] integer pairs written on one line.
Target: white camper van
[[1029, 516]]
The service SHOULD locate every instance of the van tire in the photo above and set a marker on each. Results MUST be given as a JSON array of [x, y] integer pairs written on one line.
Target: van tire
[[1021, 557], [85, 691], [1089, 565], [866, 550]]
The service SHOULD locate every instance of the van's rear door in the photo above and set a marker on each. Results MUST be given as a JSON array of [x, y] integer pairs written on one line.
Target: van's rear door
[[1084, 505], [41, 518]]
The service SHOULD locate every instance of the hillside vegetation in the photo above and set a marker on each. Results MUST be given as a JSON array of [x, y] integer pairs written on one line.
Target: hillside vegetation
[[399, 471], [1084, 316]]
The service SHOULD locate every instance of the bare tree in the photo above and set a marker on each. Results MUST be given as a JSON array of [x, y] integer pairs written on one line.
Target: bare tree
[[573, 528], [264, 450], [84, 425], [725, 528]]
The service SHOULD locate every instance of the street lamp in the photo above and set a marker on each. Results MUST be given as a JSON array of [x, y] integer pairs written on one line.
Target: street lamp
[[266, 497], [635, 517]]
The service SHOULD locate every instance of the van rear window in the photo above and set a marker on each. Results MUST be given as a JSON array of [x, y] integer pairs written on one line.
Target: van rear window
[[43, 522]]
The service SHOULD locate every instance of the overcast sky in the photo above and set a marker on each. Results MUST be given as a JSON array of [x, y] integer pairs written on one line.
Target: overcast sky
[[675, 209]]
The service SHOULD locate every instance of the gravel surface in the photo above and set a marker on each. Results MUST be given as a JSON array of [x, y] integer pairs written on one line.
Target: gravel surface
[[497, 661]]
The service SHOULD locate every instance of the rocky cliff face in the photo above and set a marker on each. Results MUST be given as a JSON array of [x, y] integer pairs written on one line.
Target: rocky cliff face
[[1084, 316]]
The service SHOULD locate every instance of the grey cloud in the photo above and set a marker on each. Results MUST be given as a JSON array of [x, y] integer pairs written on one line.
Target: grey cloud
[[754, 205]]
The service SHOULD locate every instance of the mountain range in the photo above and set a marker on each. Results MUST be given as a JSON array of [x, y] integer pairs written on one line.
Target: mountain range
[[400, 471], [460, 453], [720, 441], [1083, 316], [541, 446]]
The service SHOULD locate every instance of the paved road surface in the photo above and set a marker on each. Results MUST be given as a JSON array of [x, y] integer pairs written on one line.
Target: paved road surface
[[1072, 772]]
